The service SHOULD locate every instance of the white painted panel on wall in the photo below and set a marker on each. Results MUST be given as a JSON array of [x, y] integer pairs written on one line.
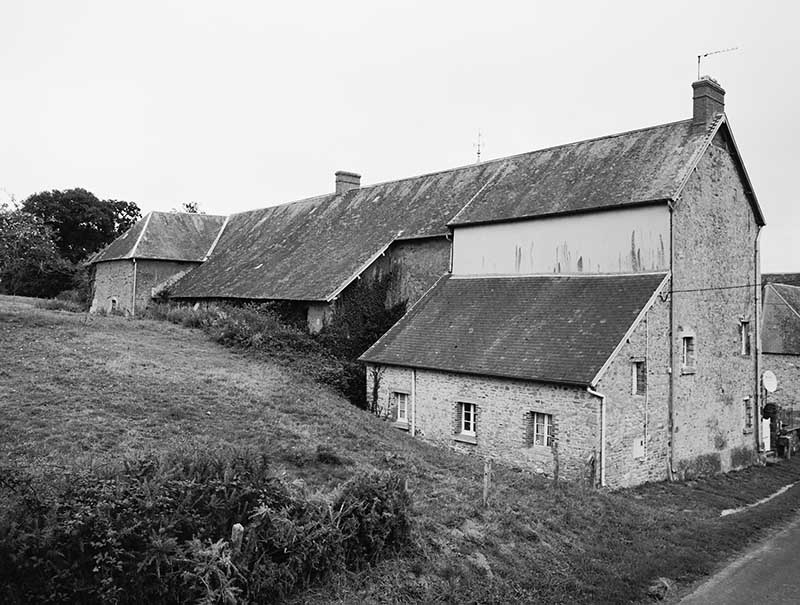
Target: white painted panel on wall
[[613, 241]]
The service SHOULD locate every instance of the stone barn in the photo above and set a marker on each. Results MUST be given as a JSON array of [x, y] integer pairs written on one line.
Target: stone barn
[[599, 314], [156, 251]]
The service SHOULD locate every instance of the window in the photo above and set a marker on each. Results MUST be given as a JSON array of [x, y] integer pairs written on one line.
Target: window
[[744, 337], [687, 357], [401, 404], [467, 418], [638, 377], [540, 429], [113, 306], [748, 414]]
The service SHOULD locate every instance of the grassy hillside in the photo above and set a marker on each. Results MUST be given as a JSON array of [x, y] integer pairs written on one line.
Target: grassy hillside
[[78, 391]]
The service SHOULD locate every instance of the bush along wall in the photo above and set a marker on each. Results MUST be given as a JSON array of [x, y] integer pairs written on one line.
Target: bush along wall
[[162, 531], [360, 318]]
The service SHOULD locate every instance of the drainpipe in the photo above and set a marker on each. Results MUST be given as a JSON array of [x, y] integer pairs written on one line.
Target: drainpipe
[[451, 237], [757, 342], [413, 401], [672, 345], [647, 382], [602, 433], [133, 294]]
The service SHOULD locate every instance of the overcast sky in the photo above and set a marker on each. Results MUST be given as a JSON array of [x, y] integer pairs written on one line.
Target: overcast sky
[[240, 105]]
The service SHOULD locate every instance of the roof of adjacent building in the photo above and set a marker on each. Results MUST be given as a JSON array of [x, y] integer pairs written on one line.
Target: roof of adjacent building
[[559, 329], [790, 279], [309, 250], [176, 236], [781, 322]]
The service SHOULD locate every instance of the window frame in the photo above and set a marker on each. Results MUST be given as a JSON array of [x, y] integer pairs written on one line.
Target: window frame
[[745, 339], [463, 407], [398, 395], [748, 414], [544, 437], [688, 354], [636, 383]]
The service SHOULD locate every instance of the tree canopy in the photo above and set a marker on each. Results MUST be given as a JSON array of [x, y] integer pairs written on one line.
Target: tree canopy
[[81, 223], [30, 264]]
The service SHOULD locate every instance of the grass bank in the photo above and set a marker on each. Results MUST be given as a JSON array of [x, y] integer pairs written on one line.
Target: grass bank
[[79, 393]]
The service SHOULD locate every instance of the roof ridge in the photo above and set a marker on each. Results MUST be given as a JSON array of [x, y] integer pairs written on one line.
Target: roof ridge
[[173, 212], [132, 253], [466, 166], [694, 160], [284, 204], [524, 153], [786, 302]]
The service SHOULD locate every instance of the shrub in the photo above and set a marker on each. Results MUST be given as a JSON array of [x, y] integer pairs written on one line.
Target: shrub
[[156, 531], [374, 516], [56, 304]]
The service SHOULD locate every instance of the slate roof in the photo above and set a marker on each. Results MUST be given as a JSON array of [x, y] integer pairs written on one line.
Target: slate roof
[[309, 250], [781, 322], [628, 168], [174, 236], [790, 279], [559, 329]]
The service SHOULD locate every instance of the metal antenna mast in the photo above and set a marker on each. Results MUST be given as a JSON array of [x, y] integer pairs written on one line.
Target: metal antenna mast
[[478, 147], [713, 52]]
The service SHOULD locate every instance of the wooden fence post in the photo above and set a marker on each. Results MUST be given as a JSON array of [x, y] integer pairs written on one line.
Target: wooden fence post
[[237, 532], [555, 462], [487, 480]]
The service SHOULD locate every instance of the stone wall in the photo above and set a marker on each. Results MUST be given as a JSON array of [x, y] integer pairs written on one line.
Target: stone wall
[[714, 232], [787, 395], [113, 280], [502, 418], [151, 273], [415, 264], [637, 426]]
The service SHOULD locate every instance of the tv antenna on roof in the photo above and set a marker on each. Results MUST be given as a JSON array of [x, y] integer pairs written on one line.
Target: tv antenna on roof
[[713, 52], [478, 146]]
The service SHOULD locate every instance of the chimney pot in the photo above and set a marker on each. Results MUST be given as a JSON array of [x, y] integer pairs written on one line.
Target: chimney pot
[[709, 100], [345, 181]]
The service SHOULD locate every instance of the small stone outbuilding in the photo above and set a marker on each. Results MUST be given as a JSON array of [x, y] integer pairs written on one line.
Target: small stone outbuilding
[[152, 254]]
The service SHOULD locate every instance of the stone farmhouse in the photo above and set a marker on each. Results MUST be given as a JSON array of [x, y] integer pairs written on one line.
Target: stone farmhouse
[[601, 311], [592, 307], [154, 252], [781, 349]]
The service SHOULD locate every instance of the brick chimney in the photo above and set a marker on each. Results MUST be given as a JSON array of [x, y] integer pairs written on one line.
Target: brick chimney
[[709, 100], [345, 181]]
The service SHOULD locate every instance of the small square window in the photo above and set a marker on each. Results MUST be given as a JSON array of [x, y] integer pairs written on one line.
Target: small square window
[[638, 377], [688, 353], [401, 404], [540, 429], [744, 337]]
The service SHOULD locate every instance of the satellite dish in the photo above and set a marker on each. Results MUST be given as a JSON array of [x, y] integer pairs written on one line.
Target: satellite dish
[[770, 381]]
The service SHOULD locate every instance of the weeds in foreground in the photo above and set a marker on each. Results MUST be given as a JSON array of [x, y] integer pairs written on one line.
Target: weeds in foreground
[[158, 530]]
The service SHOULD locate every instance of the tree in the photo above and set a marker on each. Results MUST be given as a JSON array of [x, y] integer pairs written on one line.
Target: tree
[[81, 224], [30, 264], [190, 207]]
